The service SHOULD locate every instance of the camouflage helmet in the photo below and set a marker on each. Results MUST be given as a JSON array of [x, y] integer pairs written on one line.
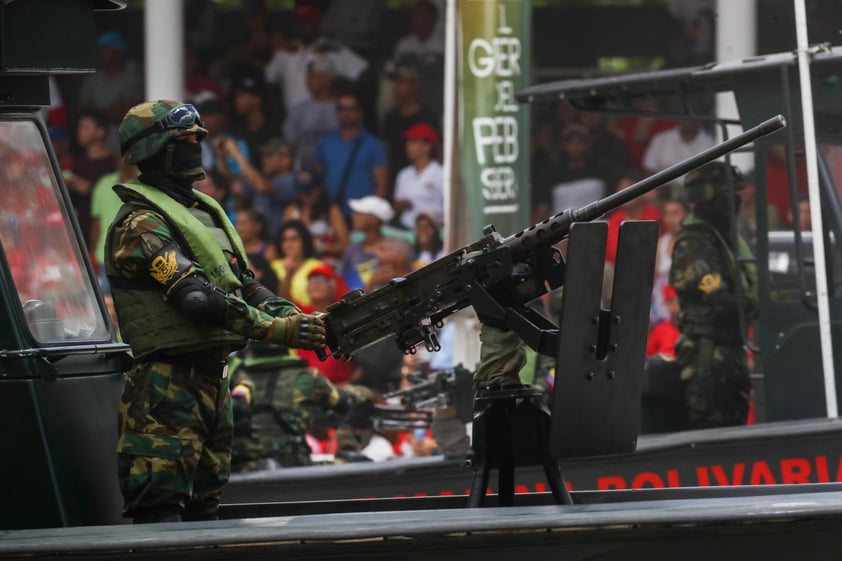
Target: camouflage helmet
[[706, 183], [149, 126]]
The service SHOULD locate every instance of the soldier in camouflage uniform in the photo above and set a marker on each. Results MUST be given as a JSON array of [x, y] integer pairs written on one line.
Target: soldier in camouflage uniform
[[185, 298], [274, 395], [706, 268]]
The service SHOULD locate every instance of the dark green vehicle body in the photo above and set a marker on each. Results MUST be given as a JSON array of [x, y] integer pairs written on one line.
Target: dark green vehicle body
[[61, 365]]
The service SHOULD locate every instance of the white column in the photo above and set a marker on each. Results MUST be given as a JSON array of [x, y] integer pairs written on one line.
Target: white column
[[805, 54], [164, 47], [736, 38]]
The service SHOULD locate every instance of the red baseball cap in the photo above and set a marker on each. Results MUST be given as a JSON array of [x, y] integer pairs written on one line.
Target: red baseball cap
[[326, 271], [422, 131], [322, 270]]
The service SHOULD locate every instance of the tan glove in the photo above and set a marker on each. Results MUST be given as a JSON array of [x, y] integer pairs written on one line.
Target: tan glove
[[301, 331]]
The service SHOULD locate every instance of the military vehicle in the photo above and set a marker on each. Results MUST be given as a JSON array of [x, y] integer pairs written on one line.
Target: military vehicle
[[63, 366]]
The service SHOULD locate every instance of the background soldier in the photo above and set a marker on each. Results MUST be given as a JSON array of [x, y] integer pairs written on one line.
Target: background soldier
[[184, 299], [275, 395], [705, 269]]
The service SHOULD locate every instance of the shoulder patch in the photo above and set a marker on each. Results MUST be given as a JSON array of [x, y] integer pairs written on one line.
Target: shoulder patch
[[164, 267], [710, 283]]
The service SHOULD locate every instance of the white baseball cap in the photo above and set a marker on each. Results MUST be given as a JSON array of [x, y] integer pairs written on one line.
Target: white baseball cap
[[372, 204]]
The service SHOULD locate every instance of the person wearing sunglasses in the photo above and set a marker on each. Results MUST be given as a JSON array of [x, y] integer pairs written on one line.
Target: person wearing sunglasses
[[185, 299]]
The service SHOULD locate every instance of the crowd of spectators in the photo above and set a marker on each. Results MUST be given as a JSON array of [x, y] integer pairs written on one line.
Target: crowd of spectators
[[327, 158]]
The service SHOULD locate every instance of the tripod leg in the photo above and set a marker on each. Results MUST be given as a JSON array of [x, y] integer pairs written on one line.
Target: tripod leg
[[479, 484]]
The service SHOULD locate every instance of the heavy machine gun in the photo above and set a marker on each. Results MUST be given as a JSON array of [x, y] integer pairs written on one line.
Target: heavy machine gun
[[497, 276], [415, 403]]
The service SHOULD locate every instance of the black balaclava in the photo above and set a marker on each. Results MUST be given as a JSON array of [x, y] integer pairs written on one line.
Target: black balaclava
[[174, 169], [717, 214]]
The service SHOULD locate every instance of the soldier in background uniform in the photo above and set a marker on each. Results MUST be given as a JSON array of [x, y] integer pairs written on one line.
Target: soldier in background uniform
[[706, 268], [185, 299], [274, 396]]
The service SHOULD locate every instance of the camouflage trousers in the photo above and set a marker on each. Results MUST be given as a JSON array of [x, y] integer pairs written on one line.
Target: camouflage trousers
[[502, 355], [174, 450], [717, 385]]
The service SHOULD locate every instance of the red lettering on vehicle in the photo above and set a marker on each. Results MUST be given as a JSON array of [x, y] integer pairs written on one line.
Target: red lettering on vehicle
[[647, 478], [611, 482], [761, 474], [737, 475], [822, 473], [702, 476], [795, 470]]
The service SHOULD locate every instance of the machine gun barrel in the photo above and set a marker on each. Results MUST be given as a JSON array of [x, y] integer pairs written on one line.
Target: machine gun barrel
[[511, 271], [554, 229]]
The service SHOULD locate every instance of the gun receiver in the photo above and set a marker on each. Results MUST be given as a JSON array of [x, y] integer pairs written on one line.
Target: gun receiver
[[502, 273]]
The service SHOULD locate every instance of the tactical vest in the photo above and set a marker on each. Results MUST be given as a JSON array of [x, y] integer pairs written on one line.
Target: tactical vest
[[278, 427], [147, 321], [695, 316]]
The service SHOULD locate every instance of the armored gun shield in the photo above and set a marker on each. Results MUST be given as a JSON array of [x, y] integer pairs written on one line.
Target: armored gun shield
[[599, 371]]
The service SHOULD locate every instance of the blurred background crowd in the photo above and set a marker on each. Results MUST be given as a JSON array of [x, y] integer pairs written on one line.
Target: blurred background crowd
[[324, 144]]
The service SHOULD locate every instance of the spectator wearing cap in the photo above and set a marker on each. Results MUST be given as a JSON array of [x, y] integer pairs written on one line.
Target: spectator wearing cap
[[408, 111], [324, 287], [425, 44], [359, 260], [325, 221], [420, 185], [311, 118], [289, 64], [115, 86], [270, 189], [352, 160], [252, 122]]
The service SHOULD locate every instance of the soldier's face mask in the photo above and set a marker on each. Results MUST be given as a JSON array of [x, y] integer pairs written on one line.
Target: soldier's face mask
[[186, 160]]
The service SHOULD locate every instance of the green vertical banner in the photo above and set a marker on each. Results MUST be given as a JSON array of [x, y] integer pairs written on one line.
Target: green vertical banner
[[494, 58]]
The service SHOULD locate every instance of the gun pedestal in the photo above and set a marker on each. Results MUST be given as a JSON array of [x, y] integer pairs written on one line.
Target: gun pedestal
[[511, 428]]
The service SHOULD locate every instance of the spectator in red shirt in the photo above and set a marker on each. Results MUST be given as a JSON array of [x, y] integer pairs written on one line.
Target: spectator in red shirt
[[663, 336], [636, 209], [324, 287]]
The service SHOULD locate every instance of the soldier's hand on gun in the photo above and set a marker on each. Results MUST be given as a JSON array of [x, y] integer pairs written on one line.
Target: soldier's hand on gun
[[301, 331]]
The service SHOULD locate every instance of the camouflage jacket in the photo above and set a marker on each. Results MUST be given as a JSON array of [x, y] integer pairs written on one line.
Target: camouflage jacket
[[704, 273], [137, 235]]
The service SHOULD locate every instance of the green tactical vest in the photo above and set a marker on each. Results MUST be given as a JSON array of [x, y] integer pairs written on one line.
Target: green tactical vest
[[277, 426], [695, 315], [150, 324]]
